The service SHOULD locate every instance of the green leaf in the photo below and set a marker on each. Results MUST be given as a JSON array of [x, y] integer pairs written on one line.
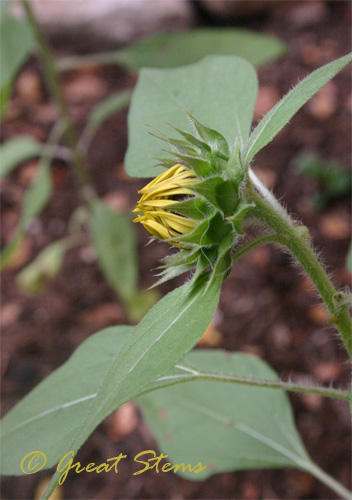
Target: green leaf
[[16, 151], [34, 278], [114, 240], [224, 426], [53, 411], [283, 111], [105, 109], [169, 50], [101, 376], [219, 91], [16, 43], [37, 195]]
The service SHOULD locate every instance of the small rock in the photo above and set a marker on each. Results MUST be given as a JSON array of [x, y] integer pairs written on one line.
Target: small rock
[[328, 371], [20, 256], [324, 103], [260, 256], [254, 350], [250, 491], [311, 55], [117, 200], [319, 314], [268, 177], [102, 315], [349, 102], [281, 336], [28, 172], [45, 113], [9, 313], [308, 14], [85, 87], [335, 226], [307, 285], [312, 401], [211, 337], [123, 422], [122, 175], [303, 484], [267, 98], [29, 87], [113, 21], [88, 254], [57, 494]]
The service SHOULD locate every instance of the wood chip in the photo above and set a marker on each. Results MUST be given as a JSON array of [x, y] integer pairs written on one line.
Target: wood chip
[[211, 337], [123, 422]]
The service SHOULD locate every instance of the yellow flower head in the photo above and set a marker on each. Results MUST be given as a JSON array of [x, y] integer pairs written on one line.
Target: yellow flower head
[[167, 189]]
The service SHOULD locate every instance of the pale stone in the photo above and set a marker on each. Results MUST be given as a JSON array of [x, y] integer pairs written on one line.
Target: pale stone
[[115, 21]]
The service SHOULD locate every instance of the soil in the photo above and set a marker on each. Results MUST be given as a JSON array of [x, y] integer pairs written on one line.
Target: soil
[[267, 307]]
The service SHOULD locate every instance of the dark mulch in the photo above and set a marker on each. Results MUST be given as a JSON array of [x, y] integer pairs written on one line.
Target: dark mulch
[[267, 307]]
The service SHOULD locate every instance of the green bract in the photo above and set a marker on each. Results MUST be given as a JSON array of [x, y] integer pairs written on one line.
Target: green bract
[[203, 190]]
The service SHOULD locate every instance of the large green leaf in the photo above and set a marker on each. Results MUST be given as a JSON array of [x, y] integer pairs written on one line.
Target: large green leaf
[[16, 151], [16, 43], [53, 411], [169, 50], [219, 91], [224, 426], [114, 240], [101, 376], [283, 111]]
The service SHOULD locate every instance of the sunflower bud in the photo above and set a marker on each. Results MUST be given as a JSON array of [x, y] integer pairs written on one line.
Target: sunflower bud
[[196, 204], [159, 201]]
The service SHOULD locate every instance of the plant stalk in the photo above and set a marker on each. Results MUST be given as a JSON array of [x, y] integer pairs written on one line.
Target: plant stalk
[[78, 161], [297, 241]]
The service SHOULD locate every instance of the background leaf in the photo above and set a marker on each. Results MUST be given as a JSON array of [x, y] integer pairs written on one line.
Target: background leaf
[[16, 151], [225, 426], [114, 239], [37, 196], [16, 43], [219, 91], [34, 278], [283, 111], [170, 50]]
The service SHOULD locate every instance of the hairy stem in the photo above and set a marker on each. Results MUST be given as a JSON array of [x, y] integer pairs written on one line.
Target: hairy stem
[[78, 162], [257, 382], [297, 241], [256, 242]]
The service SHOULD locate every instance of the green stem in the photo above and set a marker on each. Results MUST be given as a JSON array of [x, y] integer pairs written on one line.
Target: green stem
[[297, 241], [256, 382], [74, 62], [261, 240], [79, 165]]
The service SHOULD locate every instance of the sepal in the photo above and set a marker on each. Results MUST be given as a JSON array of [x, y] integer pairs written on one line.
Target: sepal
[[216, 141], [242, 210]]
